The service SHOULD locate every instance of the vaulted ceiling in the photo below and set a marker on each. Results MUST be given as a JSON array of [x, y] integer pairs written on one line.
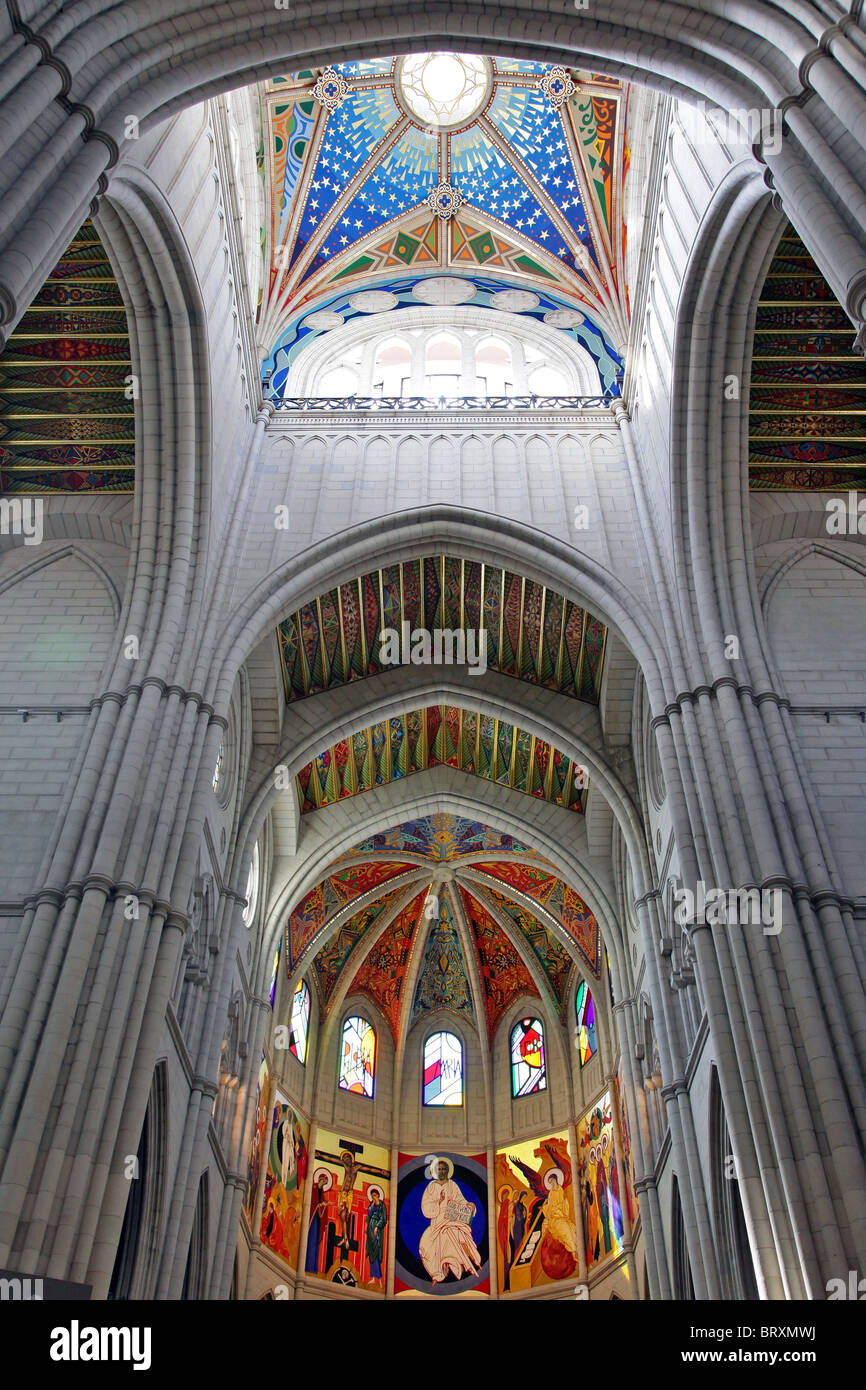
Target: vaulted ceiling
[[807, 406], [66, 399], [532, 632], [374, 178], [503, 925]]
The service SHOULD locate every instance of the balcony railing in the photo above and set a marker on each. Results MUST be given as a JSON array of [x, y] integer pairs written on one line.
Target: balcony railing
[[408, 404]]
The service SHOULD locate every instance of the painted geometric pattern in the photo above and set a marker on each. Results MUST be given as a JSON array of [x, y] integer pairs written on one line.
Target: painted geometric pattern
[[66, 410], [566, 906], [807, 405], [345, 182], [316, 909], [330, 960], [504, 977], [382, 974], [532, 632], [448, 736], [550, 953], [441, 837], [443, 983]]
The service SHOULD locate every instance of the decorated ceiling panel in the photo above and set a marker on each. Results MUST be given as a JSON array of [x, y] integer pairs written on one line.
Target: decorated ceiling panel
[[560, 900], [330, 960], [382, 975], [320, 906], [549, 952], [532, 632], [374, 170], [66, 400], [443, 983], [504, 976], [807, 405], [441, 838], [442, 736]]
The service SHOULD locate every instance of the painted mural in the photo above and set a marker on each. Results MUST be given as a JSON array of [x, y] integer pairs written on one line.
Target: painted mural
[[350, 1213], [284, 1181], [254, 1154], [442, 1237], [536, 1234], [599, 1184], [627, 1150]]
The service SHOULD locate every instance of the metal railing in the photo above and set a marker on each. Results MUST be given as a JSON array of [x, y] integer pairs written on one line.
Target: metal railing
[[408, 404]]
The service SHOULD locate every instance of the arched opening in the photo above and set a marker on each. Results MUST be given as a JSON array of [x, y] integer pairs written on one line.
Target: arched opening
[[732, 1236], [443, 365]]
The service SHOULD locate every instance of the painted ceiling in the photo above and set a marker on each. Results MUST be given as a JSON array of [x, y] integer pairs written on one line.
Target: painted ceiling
[[496, 929], [522, 186], [533, 633], [808, 387], [66, 409], [442, 736]]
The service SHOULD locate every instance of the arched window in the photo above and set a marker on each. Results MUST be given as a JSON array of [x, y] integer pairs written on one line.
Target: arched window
[[494, 368], [549, 381], [443, 365], [528, 1071], [392, 369], [338, 381], [587, 1041], [358, 1057], [443, 1070], [252, 893], [300, 1023]]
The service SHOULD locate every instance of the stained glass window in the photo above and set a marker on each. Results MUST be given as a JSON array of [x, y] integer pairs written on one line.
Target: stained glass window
[[252, 893], [585, 1009], [217, 772], [358, 1057], [444, 89], [443, 1070], [276, 972], [528, 1072], [300, 1024]]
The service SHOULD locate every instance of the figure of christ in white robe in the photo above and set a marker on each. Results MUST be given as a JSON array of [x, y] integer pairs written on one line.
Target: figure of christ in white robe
[[447, 1244]]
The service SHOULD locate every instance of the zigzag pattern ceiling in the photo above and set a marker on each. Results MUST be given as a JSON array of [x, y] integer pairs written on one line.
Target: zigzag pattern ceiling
[[441, 735], [66, 409], [808, 385], [532, 179], [533, 633]]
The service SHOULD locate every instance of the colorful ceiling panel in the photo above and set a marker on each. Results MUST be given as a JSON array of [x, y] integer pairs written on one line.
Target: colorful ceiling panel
[[551, 955], [504, 976], [383, 972], [443, 983], [319, 907], [440, 838], [442, 735], [807, 406], [541, 157], [532, 632], [66, 392], [561, 901], [330, 960]]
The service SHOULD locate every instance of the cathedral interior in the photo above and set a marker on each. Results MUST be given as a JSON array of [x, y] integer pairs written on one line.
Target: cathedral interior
[[432, 639]]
